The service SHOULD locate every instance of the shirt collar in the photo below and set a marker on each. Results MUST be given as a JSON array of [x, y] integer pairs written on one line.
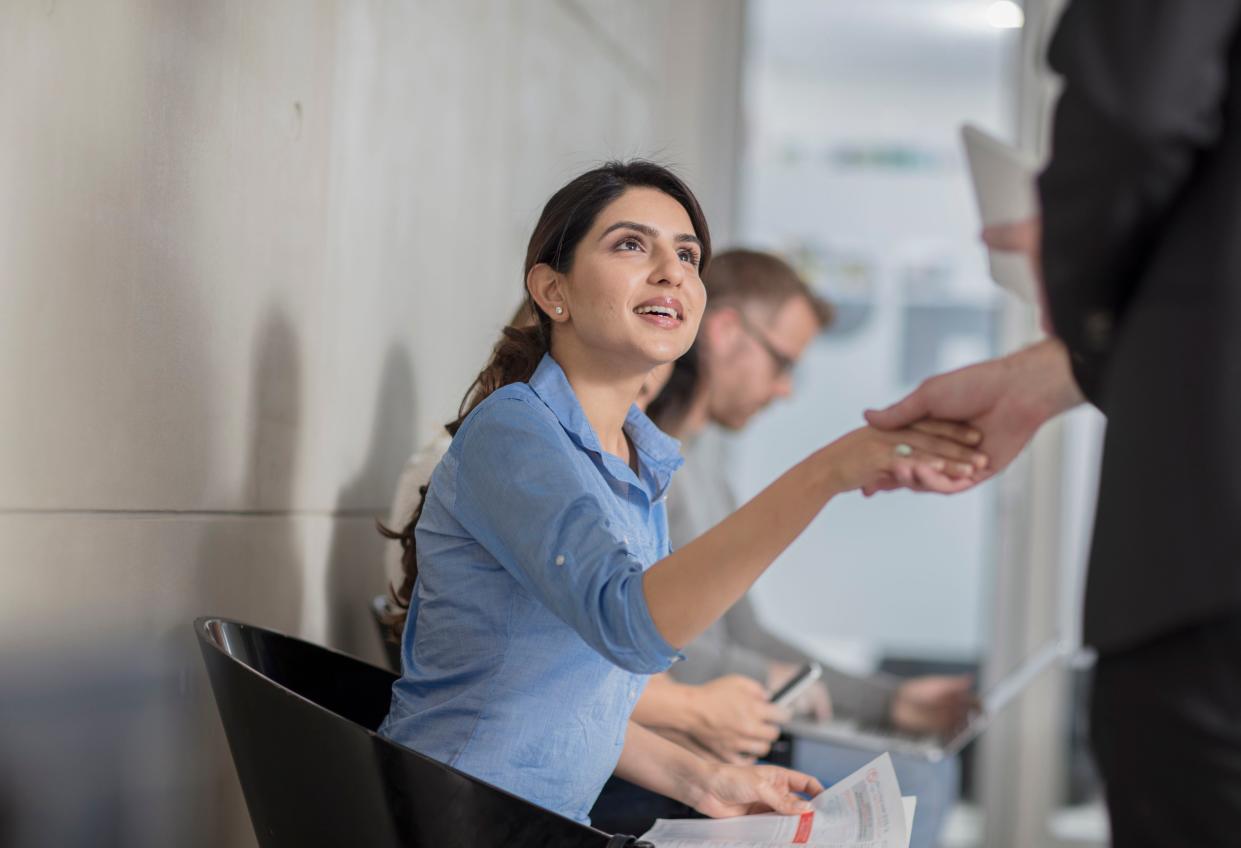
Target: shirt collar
[[659, 452]]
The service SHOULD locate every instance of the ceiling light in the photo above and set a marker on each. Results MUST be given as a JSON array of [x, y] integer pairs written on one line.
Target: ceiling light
[[1005, 14]]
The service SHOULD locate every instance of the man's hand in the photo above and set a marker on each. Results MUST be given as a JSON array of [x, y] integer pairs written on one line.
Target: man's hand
[[1006, 399], [1018, 237], [733, 719], [933, 704], [1025, 237], [814, 701]]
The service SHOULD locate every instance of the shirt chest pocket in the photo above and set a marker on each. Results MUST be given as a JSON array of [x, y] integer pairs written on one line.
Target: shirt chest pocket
[[636, 536], [631, 521]]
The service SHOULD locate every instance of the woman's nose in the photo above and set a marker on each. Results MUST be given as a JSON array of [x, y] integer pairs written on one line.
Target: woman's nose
[[670, 271]]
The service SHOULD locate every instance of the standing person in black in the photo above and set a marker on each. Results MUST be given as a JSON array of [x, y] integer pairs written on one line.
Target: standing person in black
[[1140, 251]]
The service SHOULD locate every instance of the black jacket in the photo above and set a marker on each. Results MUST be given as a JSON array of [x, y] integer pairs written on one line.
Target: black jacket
[[1142, 258]]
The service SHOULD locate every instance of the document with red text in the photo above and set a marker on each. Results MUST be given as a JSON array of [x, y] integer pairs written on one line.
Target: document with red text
[[865, 810]]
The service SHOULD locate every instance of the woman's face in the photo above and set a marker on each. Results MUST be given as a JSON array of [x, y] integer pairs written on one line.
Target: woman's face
[[633, 292]]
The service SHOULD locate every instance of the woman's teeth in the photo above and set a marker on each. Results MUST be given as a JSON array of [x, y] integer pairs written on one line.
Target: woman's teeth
[[656, 310]]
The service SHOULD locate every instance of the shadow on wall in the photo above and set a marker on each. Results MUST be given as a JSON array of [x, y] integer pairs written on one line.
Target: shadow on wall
[[250, 566], [355, 568]]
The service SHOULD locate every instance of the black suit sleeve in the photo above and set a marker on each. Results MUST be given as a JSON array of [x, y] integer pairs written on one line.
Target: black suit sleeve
[[1144, 82]]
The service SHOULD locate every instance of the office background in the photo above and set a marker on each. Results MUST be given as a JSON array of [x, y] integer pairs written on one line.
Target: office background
[[252, 253]]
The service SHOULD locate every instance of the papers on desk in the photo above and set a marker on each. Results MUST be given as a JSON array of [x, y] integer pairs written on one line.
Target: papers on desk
[[865, 810]]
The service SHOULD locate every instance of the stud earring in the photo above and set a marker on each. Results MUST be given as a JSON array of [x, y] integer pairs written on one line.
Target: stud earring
[[560, 310]]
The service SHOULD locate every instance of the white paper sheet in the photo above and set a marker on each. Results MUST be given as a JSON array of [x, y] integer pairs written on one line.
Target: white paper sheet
[[865, 810], [1004, 187]]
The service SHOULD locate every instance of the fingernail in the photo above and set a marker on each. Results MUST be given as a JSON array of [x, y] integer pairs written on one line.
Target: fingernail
[[981, 460], [938, 464], [965, 468]]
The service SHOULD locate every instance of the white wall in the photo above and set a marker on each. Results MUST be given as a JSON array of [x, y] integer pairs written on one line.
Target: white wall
[[250, 255]]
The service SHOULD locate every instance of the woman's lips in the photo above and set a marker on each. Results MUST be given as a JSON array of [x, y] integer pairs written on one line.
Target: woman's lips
[[664, 312], [668, 322]]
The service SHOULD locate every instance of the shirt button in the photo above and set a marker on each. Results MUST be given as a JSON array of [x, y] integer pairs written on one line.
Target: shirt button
[[560, 559]]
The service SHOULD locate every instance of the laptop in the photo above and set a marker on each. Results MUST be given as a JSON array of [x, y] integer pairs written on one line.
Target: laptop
[[932, 747]]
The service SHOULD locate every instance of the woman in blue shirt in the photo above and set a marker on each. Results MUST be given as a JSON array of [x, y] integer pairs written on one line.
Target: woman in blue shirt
[[540, 587]]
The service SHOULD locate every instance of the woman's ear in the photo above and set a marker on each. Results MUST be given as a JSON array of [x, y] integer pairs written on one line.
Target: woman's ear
[[546, 287]]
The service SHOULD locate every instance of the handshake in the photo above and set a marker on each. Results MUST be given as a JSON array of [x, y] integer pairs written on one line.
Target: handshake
[[959, 428]]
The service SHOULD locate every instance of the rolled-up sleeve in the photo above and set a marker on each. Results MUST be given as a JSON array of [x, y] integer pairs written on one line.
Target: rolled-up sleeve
[[522, 497]]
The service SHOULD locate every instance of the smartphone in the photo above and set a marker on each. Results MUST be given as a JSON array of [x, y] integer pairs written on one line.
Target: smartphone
[[805, 677]]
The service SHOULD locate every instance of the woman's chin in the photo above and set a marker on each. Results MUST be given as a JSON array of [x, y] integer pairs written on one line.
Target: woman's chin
[[669, 350]]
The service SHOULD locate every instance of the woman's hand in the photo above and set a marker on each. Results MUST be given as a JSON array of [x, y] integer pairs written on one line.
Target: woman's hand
[[742, 790], [733, 719], [713, 789], [932, 456]]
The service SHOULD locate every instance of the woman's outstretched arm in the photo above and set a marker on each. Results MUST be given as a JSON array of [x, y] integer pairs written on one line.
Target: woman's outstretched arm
[[695, 585], [517, 497]]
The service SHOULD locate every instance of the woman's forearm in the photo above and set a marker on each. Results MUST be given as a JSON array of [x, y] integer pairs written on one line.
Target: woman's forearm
[[665, 705], [661, 766], [694, 586]]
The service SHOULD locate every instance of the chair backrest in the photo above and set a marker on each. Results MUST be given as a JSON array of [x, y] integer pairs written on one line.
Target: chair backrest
[[301, 720]]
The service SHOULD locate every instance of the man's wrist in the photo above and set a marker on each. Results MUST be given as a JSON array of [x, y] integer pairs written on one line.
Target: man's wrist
[[1044, 369], [896, 710]]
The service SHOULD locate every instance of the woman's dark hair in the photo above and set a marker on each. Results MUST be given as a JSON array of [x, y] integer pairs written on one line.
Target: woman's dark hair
[[667, 409], [564, 222]]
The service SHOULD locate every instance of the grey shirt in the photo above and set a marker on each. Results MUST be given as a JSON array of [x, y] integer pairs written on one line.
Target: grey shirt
[[738, 643]]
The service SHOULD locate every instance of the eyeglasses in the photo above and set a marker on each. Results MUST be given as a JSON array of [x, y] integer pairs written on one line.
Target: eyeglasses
[[783, 362]]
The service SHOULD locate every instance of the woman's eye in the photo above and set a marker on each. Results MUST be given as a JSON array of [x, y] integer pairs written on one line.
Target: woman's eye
[[689, 256], [629, 244]]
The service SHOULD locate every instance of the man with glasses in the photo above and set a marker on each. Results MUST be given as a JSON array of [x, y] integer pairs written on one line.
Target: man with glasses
[[760, 318]]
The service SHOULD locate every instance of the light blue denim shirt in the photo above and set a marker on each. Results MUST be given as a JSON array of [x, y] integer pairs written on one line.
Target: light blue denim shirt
[[529, 640]]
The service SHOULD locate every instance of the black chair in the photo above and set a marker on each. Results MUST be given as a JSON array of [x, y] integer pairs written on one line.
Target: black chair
[[300, 721]]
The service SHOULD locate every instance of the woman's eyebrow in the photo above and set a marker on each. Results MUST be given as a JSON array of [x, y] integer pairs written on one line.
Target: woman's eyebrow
[[649, 232]]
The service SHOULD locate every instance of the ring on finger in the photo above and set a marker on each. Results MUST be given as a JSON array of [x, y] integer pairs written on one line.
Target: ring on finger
[[903, 449]]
